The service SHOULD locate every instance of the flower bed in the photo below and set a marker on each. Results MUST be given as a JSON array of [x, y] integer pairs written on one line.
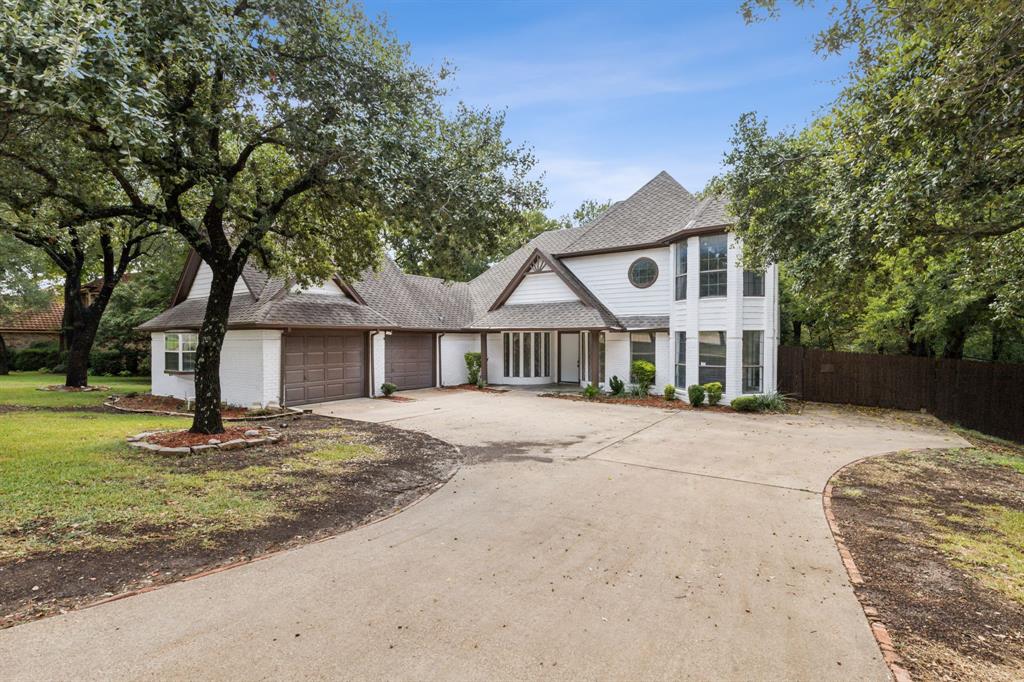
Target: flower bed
[[649, 401], [158, 404], [61, 388], [186, 442], [474, 387]]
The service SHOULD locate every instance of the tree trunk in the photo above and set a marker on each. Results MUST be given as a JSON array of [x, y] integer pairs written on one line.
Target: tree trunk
[[798, 328], [5, 365], [207, 417], [81, 322]]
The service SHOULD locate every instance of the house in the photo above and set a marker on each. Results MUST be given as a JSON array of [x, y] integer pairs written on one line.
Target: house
[[44, 324], [655, 277]]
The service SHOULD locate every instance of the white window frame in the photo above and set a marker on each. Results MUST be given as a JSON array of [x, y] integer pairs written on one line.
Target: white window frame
[[184, 345], [748, 368], [682, 270], [515, 358]]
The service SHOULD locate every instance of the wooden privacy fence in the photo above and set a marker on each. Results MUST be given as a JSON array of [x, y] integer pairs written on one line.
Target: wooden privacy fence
[[984, 396]]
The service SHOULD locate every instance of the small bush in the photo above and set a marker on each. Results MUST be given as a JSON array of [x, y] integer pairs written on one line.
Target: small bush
[[44, 370], [60, 369], [714, 392], [745, 403], [472, 367], [591, 392], [124, 373], [107, 362], [771, 402], [36, 356], [387, 388], [643, 376], [696, 395], [669, 392], [617, 385]]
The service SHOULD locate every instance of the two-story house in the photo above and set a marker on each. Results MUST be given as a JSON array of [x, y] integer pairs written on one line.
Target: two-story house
[[655, 277]]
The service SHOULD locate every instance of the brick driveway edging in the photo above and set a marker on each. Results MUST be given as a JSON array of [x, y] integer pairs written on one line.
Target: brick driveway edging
[[878, 629]]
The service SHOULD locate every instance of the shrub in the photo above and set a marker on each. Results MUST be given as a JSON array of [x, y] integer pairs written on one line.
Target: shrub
[[617, 385], [60, 369], [591, 392], [387, 388], [714, 392], [44, 370], [771, 402], [472, 367], [669, 392], [36, 356], [746, 403], [107, 362], [696, 395], [643, 376], [124, 373]]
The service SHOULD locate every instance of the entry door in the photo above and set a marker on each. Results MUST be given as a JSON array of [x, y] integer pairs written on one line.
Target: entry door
[[569, 358]]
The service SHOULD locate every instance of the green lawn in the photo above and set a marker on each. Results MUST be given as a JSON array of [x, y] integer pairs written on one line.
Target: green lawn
[[68, 481], [20, 388]]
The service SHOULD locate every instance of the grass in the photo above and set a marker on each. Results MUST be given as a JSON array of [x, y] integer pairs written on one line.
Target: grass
[[21, 388], [68, 482], [992, 550]]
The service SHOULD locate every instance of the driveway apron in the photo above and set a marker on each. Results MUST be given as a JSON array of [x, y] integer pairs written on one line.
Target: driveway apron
[[579, 541]]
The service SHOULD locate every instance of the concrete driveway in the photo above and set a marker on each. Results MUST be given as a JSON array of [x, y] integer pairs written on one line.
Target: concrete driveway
[[580, 541]]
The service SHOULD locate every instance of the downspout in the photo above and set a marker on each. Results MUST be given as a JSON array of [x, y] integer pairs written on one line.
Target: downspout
[[440, 367], [373, 389]]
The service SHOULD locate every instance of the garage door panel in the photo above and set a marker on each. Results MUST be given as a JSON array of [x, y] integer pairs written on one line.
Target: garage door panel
[[409, 360], [323, 366]]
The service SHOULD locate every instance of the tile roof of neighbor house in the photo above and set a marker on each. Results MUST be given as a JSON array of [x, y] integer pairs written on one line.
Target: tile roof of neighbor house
[[48, 319], [654, 214]]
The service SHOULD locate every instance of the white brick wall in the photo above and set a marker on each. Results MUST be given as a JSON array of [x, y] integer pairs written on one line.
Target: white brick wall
[[453, 356], [250, 369]]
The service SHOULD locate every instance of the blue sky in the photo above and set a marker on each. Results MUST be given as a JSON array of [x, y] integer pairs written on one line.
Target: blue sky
[[610, 93]]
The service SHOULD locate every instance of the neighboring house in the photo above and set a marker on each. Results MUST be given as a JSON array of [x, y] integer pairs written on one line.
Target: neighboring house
[[41, 325], [45, 324], [654, 277]]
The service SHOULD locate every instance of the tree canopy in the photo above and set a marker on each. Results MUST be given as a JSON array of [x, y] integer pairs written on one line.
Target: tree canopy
[[908, 194], [297, 131]]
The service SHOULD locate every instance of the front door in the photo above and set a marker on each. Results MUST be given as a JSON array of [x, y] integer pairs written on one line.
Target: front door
[[569, 358]]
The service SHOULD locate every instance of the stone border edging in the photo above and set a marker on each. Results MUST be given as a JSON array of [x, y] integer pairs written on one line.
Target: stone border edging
[[881, 633], [272, 435], [288, 412]]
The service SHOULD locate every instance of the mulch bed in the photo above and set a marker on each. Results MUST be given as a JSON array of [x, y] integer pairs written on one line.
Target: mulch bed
[[413, 465], [178, 439], [944, 623], [396, 398], [650, 401], [165, 404], [474, 387]]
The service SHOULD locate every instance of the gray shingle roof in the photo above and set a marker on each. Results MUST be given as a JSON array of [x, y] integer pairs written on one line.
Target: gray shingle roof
[[560, 315], [644, 321], [654, 213]]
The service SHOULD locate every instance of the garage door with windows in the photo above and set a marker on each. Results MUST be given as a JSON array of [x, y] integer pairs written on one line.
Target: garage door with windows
[[320, 366], [409, 360]]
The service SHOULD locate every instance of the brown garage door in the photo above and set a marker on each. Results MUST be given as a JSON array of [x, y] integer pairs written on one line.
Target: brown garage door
[[323, 366], [409, 360]]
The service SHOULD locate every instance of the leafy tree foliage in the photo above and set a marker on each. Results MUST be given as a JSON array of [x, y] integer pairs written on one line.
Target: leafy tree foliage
[[22, 274], [297, 132], [899, 213]]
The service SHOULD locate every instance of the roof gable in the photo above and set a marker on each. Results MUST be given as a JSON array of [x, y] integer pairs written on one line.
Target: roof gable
[[658, 209]]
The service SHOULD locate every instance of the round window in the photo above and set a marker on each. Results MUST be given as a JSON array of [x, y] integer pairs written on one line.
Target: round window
[[643, 273]]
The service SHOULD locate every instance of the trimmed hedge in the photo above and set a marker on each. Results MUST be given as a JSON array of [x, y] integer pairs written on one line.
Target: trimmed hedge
[[35, 357]]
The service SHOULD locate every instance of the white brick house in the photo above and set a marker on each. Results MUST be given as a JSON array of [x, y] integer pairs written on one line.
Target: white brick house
[[656, 276]]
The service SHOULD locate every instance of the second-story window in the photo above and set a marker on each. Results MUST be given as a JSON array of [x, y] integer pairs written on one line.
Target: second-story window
[[681, 271], [753, 283], [643, 272], [714, 263]]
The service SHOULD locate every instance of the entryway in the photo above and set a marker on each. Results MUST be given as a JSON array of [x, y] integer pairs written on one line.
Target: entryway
[[568, 357]]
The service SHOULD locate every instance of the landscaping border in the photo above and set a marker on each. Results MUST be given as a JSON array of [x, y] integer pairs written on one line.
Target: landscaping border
[[287, 412], [878, 628], [270, 435]]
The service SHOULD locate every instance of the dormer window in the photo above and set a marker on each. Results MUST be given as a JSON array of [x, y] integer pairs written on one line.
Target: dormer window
[[643, 273]]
